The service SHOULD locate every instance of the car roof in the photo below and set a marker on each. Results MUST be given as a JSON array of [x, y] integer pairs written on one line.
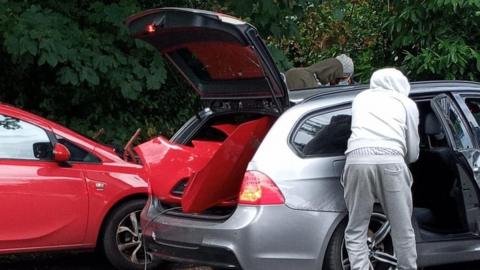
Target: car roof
[[307, 95], [17, 112]]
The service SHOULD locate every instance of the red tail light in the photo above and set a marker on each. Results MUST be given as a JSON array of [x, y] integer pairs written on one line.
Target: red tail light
[[259, 189]]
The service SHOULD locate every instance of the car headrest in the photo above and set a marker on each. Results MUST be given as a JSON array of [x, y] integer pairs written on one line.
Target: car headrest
[[432, 125]]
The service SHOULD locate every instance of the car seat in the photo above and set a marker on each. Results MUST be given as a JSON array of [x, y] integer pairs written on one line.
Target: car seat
[[435, 190]]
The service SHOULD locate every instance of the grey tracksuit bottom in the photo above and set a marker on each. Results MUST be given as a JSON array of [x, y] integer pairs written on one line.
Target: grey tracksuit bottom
[[387, 180]]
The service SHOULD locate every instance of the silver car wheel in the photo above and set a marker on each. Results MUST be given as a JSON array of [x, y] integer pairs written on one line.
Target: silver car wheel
[[381, 253], [129, 239]]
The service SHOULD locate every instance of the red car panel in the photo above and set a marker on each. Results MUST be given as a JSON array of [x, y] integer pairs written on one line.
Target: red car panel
[[220, 179], [167, 164], [42, 205], [46, 206], [213, 170]]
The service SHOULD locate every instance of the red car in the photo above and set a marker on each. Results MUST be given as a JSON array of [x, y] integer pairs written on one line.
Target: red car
[[60, 190]]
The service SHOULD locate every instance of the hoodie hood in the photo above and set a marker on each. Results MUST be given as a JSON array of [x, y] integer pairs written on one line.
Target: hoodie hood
[[390, 79]]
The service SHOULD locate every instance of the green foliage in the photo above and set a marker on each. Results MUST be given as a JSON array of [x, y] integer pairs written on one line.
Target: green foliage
[[436, 39], [79, 66], [272, 17], [335, 27], [75, 63]]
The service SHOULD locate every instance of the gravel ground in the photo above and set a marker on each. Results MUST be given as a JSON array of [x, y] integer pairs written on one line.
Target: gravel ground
[[93, 261]]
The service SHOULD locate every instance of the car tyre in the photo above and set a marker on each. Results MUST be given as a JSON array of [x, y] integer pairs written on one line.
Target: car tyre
[[122, 239], [382, 255], [333, 258]]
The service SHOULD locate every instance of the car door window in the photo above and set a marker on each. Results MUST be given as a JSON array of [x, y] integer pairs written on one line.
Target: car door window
[[22, 140], [460, 136], [473, 105], [77, 154], [323, 134]]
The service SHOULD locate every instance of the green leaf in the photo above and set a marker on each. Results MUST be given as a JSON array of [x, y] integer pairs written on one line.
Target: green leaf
[[156, 79], [68, 76], [130, 90], [12, 45], [279, 57], [89, 75], [102, 63], [275, 30], [52, 59], [478, 62], [29, 45], [42, 59], [338, 14]]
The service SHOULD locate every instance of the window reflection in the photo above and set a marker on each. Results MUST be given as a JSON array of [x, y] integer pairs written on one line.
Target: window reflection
[[324, 134], [21, 140], [9, 123], [459, 132]]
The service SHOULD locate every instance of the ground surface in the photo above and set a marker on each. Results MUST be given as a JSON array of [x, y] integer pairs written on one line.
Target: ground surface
[[70, 261], [92, 261]]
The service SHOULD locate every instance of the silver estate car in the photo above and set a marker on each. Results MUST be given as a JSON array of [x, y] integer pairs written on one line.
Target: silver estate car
[[252, 180]]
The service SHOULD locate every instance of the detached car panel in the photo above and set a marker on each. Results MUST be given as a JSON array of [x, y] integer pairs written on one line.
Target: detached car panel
[[183, 174]]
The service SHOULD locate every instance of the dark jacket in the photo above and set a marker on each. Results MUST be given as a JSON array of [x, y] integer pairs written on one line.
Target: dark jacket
[[326, 71]]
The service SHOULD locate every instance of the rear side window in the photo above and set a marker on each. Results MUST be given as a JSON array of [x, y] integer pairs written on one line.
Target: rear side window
[[323, 134], [22, 140], [211, 61]]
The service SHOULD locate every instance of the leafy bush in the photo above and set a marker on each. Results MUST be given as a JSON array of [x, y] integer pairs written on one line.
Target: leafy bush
[[436, 39], [334, 27], [75, 63]]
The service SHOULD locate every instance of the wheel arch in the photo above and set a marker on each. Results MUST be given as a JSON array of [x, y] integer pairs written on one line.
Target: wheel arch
[[115, 206], [342, 217]]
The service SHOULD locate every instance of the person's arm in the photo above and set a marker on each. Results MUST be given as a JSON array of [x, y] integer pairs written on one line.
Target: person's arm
[[412, 137]]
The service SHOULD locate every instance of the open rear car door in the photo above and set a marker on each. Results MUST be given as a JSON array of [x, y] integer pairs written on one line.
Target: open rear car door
[[467, 157]]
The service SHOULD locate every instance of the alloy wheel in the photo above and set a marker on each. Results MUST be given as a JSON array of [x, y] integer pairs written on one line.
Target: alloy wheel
[[381, 253], [129, 239]]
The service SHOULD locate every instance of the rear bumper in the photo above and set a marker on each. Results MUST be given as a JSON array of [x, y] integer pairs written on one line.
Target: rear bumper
[[196, 254], [264, 237]]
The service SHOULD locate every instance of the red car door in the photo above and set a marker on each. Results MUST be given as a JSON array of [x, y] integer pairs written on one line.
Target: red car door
[[43, 204]]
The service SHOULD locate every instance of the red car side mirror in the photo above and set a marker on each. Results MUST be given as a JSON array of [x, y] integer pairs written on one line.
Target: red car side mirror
[[61, 153]]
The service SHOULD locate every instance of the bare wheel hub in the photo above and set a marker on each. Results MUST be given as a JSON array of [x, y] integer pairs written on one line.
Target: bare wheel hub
[[129, 239], [379, 243]]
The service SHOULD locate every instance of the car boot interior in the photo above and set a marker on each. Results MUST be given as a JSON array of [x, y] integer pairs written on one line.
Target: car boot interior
[[437, 196]]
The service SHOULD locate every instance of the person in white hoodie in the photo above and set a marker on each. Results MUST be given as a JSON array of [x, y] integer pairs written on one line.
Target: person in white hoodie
[[384, 140]]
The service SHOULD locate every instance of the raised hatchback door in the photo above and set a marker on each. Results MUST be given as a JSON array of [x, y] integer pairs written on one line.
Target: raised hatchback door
[[221, 57]]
